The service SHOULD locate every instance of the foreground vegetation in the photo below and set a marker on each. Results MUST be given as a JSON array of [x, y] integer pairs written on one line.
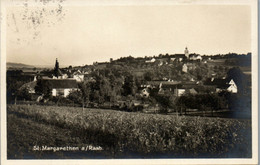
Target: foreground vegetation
[[123, 134]]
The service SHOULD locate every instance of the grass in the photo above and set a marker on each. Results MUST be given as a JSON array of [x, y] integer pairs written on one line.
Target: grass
[[24, 134], [123, 134]]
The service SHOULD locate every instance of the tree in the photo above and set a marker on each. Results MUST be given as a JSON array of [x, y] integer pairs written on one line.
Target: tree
[[14, 81], [85, 92], [23, 94], [75, 96], [239, 78], [211, 101], [148, 76], [13, 91], [166, 101], [129, 87], [105, 89], [43, 88]]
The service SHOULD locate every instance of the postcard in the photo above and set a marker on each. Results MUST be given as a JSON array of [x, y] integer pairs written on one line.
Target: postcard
[[132, 82]]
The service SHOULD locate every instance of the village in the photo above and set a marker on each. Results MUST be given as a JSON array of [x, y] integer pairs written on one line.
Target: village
[[130, 82], [151, 84]]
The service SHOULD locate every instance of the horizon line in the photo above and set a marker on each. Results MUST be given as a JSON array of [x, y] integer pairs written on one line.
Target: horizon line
[[65, 65]]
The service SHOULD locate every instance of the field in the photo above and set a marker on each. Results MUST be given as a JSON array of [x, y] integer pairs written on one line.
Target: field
[[41, 131]]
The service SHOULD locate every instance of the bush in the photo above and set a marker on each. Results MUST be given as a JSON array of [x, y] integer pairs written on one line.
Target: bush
[[75, 96], [61, 101], [208, 101]]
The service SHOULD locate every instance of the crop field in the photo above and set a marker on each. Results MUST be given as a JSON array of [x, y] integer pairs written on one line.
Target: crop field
[[49, 132]]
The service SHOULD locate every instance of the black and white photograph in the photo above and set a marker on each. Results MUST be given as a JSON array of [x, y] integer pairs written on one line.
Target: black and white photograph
[[135, 82]]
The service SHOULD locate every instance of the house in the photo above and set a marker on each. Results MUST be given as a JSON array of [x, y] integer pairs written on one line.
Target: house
[[178, 88], [185, 89], [184, 68], [78, 76], [145, 92], [162, 61], [168, 87], [61, 87], [195, 57], [172, 59], [232, 87], [228, 85], [179, 92], [178, 57], [156, 84], [30, 86], [150, 61], [191, 91]]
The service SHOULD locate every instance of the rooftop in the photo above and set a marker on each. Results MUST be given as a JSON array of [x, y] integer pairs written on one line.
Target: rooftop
[[61, 83]]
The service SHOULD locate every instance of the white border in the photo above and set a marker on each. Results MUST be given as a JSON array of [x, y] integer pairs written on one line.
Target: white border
[[254, 34]]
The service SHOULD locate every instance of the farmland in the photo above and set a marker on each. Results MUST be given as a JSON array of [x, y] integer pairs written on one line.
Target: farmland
[[122, 134]]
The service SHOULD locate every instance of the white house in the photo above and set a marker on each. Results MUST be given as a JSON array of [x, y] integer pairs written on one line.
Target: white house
[[195, 57], [61, 87], [223, 85], [78, 76], [179, 92], [145, 92], [151, 61], [185, 68], [173, 59], [233, 87]]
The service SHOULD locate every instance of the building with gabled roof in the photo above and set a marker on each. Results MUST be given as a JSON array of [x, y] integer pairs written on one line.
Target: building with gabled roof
[[61, 87], [184, 68], [78, 76], [222, 84], [30, 86], [150, 60], [195, 57]]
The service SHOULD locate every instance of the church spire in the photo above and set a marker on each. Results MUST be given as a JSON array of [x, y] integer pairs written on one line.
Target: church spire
[[56, 64], [57, 71]]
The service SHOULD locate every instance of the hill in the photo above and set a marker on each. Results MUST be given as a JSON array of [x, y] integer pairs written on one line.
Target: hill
[[18, 65]]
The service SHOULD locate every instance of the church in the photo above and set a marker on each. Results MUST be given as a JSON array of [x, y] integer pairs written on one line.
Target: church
[[57, 73], [186, 56], [192, 57], [60, 84]]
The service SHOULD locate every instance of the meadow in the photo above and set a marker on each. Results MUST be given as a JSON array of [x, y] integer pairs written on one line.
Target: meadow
[[122, 134]]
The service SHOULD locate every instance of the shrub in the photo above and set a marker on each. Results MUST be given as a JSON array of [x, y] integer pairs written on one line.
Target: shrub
[[211, 101]]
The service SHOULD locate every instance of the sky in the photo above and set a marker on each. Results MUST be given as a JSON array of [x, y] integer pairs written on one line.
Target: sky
[[80, 35]]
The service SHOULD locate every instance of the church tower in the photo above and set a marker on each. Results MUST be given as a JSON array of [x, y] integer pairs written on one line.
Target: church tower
[[186, 52], [57, 71], [56, 65]]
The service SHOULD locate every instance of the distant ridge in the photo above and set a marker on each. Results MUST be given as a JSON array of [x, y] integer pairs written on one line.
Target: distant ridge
[[21, 65], [18, 65]]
